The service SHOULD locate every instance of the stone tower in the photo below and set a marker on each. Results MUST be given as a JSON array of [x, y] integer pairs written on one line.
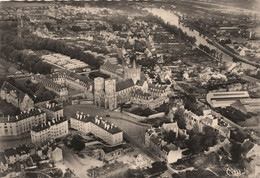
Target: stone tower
[[110, 94], [99, 91], [133, 72]]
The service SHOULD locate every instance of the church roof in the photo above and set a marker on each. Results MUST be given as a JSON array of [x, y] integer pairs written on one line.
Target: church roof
[[124, 84], [110, 66]]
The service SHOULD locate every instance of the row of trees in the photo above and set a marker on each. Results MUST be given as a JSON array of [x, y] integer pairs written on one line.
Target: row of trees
[[30, 62], [11, 42]]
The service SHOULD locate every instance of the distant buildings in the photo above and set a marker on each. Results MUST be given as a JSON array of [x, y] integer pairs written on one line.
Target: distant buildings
[[24, 122], [97, 126], [224, 99], [52, 129], [16, 97], [63, 61]]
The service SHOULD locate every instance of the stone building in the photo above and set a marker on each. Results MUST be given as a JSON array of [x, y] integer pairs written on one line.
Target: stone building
[[16, 97], [24, 122]]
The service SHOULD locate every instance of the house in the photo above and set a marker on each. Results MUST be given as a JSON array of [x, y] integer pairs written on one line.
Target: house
[[171, 126], [171, 153], [23, 153], [10, 155], [57, 155], [253, 152], [16, 97]]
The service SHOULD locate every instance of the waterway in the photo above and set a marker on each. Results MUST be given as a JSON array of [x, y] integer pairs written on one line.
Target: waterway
[[173, 19]]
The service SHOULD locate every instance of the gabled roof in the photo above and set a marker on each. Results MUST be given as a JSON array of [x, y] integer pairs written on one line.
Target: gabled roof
[[9, 152], [21, 150], [247, 145], [8, 87], [124, 84]]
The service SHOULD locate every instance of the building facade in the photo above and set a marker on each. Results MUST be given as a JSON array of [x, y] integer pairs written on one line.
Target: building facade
[[52, 110], [16, 97], [224, 99], [52, 129], [60, 90], [24, 122], [97, 126]]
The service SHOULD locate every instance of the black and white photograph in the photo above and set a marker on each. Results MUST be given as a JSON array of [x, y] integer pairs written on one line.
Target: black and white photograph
[[130, 88]]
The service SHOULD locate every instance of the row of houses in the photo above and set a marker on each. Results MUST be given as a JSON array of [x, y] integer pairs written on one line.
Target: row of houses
[[24, 157]]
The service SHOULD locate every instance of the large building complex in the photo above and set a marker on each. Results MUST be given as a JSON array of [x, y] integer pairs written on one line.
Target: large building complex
[[52, 129], [60, 90], [16, 97], [24, 122], [109, 132], [224, 99], [72, 80]]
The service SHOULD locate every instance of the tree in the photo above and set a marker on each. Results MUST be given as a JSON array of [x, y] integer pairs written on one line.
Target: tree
[[196, 143], [236, 151], [179, 117], [77, 144], [170, 136]]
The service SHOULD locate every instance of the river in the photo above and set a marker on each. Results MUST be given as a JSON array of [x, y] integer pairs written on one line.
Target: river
[[173, 19]]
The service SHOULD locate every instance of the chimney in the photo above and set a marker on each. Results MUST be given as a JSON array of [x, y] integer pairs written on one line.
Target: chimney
[[108, 126], [49, 123], [16, 117], [8, 117]]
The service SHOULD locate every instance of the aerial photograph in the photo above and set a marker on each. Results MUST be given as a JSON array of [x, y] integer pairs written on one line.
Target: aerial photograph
[[130, 88]]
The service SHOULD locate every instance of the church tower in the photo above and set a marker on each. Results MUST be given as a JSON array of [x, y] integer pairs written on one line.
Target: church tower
[[99, 91], [133, 72], [110, 94]]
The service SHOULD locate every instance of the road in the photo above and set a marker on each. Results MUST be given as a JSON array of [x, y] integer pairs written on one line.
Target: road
[[134, 131]]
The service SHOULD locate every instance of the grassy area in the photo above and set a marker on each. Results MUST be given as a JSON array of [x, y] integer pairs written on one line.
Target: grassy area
[[8, 109]]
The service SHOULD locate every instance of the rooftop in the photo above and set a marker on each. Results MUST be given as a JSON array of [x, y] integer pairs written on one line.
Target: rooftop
[[52, 106], [49, 124], [124, 84], [99, 121], [33, 112]]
